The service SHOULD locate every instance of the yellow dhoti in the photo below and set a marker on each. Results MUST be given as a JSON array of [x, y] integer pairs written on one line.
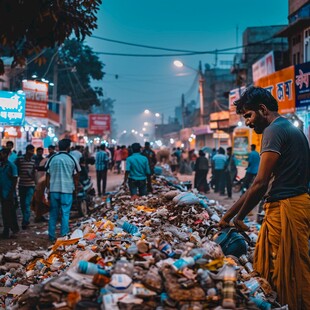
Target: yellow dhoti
[[282, 250]]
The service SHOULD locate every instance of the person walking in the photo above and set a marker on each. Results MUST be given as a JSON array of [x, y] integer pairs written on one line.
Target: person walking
[[230, 171], [124, 157], [12, 156], [201, 169], [282, 250], [137, 171], [102, 160], [62, 177], [252, 169], [218, 165], [151, 157], [26, 171], [8, 181]]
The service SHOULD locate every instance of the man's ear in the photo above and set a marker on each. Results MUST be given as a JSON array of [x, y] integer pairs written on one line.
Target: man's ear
[[263, 110]]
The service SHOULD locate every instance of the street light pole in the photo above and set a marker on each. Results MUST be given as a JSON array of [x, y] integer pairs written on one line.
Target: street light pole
[[201, 93], [180, 64]]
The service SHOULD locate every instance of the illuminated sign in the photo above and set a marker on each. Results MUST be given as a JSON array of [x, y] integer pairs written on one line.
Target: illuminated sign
[[12, 108]]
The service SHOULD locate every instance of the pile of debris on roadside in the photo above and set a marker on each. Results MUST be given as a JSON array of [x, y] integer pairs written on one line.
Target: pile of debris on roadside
[[162, 251]]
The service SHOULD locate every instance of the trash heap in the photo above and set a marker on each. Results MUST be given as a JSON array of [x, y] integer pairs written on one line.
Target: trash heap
[[155, 252]]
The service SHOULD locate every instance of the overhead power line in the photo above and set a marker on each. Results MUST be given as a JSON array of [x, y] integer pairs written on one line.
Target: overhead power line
[[182, 52]]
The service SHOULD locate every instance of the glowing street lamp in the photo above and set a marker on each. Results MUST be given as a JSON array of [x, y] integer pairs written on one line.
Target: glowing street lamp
[[180, 64]]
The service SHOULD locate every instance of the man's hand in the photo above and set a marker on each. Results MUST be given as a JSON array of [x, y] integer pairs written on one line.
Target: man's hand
[[239, 224], [223, 223]]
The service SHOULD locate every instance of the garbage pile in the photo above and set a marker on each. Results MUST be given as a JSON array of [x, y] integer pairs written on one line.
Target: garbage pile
[[162, 251]]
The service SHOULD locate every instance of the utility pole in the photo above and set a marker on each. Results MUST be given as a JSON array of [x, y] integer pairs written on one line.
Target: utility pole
[[183, 110], [55, 77], [201, 93]]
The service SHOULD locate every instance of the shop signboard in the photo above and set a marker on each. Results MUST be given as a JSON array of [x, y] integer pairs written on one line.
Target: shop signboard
[[302, 86], [281, 85], [36, 98], [99, 124], [12, 108], [263, 67], [81, 117], [234, 95]]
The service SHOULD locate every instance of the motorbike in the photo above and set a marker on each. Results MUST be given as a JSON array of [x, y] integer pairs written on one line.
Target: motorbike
[[84, 200]]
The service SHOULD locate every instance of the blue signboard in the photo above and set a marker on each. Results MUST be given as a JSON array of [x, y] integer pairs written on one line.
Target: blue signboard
[[302, 86], [12, 108]]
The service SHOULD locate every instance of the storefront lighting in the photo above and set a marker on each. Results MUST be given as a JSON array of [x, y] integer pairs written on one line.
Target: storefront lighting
[[182, 145], [190, 139], [22, 129], [125, 131], [34, 76], [141, 135], [55, 139], [143, 129], [24, 80], [239, 124], [1, 129], [296, 123], [171, 140], [26, 128], [32, 129], [51, 84], [113, 141], [145, 123], [39, 129], [132, 130]]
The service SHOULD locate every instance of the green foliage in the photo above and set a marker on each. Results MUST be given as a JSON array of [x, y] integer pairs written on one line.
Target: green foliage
[[77, 66], [28, 26]]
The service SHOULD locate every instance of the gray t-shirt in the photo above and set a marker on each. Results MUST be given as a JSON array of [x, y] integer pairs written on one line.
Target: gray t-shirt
[[291, 175]]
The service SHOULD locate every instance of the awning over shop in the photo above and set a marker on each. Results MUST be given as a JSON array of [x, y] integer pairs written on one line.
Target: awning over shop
[[294, 28], [219, 120]]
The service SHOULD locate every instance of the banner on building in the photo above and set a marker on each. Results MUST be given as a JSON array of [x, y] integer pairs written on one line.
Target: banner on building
[[234, 95], [99, 124], [281, 85], [36, 98], [302, 86], [263, 67], [12, 108]]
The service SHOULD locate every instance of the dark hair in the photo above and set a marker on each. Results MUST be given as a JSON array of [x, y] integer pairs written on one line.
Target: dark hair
[[102, 146], [51, 147], [136, 147], [221, 151], [9, 142], [40, 149], [64, 144], [229, 148], [201, 153], [253, 146], [30, 147], [252, 97], [147, 144]]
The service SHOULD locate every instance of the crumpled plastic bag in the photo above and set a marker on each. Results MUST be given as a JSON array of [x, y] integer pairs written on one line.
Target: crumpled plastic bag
[[185, 199]]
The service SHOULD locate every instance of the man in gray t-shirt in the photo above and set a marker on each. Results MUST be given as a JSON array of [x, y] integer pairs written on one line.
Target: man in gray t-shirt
[[282, 250]]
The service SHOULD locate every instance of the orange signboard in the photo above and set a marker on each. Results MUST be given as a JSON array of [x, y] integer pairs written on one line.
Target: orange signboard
[[281, 86], [36, 98]]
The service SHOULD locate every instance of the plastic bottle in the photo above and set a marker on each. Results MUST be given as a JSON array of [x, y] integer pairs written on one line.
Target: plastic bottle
[[245, 262], [128, 227], [166, 248], [204, 279], [90, 268], [229, 278], [185, 261], [108, 202], [123, 266], [205, 206]]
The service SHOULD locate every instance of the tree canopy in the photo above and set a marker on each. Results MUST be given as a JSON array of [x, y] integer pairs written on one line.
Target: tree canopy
[[28, 26], [76, 66]]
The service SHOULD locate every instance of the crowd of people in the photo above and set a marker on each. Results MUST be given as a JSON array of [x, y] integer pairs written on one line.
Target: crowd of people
[[280, 175]]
